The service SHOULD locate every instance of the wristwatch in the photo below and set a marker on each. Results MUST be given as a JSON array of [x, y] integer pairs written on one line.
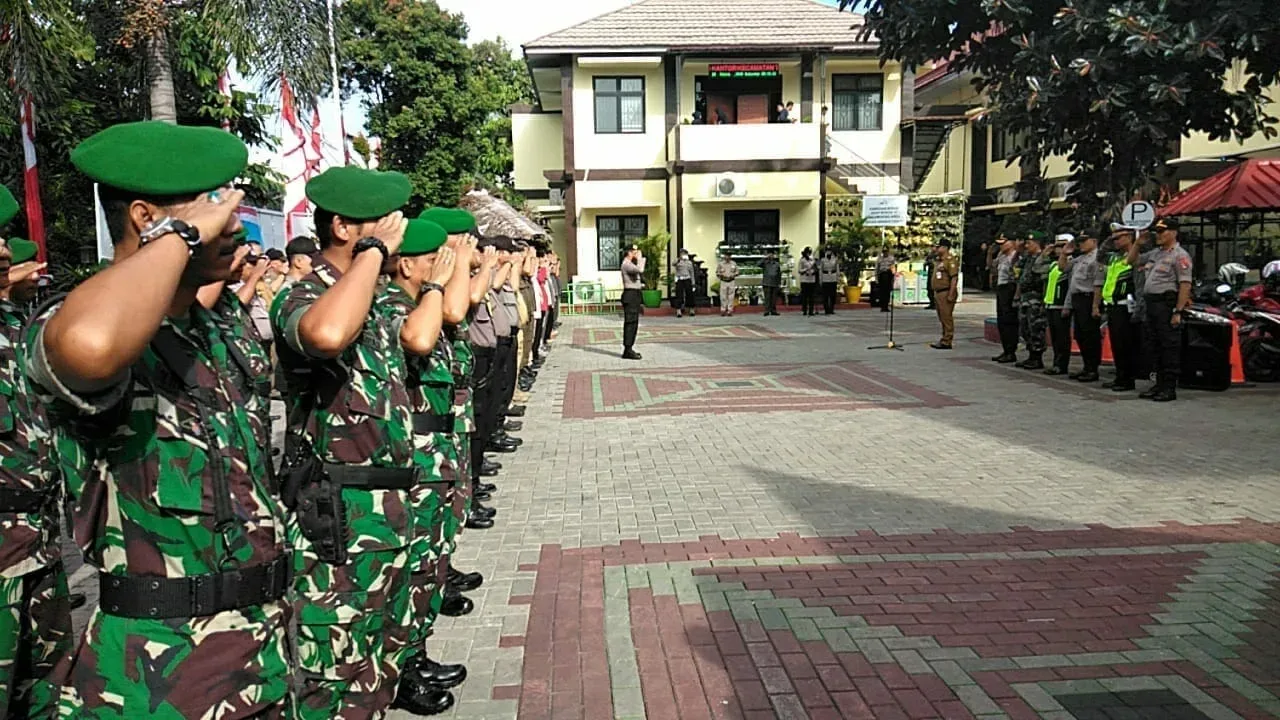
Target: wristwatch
[[165, 225], [430, 286], [370, 243]]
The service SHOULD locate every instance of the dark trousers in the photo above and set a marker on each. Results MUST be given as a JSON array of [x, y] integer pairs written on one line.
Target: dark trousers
[[632, 306], [485, 406], [884, 290], [1164, 340], [808, 296], [1007, 318], [771, 298], [1088, 330], [684, 296], [506, 371], [539, 329], [1126, 344], [1060, 337], [829, 298]]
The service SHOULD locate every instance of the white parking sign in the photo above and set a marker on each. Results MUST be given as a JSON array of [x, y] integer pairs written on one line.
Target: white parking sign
[[1138, 215]]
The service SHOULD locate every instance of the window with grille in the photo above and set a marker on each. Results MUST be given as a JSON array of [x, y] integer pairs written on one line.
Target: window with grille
[[857, 102], [614, 234], [619, 104]]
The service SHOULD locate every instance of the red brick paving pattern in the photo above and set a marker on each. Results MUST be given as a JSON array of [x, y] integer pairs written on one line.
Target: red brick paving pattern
[[667, 334], [699, 664], [757, 388]]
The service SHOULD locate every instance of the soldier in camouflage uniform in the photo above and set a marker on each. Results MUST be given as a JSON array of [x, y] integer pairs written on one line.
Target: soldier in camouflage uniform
[[35, 618], [153, 403], [415, 309], [1032, 275], [349, 451]]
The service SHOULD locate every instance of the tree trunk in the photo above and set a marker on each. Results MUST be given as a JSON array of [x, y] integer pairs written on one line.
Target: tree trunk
[[164, 106]]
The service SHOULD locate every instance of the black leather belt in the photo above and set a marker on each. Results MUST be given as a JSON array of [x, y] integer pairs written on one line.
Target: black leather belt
[[155, 598], [427, 423], [1170, 296], [13, 500], [368, 477]]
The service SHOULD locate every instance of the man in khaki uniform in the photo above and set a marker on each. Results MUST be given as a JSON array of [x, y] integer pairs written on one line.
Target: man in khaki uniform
[[945, 282]]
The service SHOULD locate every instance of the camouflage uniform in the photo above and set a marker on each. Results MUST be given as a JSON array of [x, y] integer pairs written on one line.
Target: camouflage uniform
[[354, 411], [430, 387], [464, 426], [35, 618], [151, 465], [1032, 322]]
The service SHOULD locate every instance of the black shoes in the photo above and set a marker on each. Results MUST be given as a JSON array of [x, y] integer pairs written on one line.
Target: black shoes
[[464, 582], [525, 386], [440, 675], [1006, 358], [1088, 376], [486, 487], [479, 495], [939, 346], [1122, 387], [1165, 395], [1055, 371], [512, 426], [419, 698], [509, 446], [455, 603], [475, 522], [1032, 363], [1150, 392], [515, 411], [489, 468], [631, 355], [484, 511], [502, 437]]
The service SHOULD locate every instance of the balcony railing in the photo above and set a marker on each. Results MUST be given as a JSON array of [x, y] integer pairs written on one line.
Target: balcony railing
[[764, 141]]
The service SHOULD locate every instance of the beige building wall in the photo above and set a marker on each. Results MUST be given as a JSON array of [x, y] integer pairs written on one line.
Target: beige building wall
[[793, 194], [618, 150], [537, 142], [868, 146], [597, 198]]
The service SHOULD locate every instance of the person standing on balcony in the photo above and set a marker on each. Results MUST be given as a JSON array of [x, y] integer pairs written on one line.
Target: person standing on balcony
[[727, 272], [885, 266], [791, 113], [808, 272], [684, 286], [632, 300], [771, 281], [829, 276], [781, 114]]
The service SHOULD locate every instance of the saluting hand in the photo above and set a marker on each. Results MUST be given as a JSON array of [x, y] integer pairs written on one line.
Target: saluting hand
[[237, 261], [212, 219], [490, 257], [25, 271], [442, 269], [390, 230]]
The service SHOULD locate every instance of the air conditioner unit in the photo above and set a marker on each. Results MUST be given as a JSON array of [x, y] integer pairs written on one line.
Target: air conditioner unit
[[1063, 189], [730, 185], [1007, 195], [555, 197], [587, 293]]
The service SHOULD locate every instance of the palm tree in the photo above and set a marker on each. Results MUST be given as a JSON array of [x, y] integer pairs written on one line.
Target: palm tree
[[36, 39], [268, 39]]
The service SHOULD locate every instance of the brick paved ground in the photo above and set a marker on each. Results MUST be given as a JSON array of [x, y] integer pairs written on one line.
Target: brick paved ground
[[882, 535]]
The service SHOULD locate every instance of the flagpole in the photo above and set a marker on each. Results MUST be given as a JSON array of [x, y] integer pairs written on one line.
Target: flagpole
[[337, 90]]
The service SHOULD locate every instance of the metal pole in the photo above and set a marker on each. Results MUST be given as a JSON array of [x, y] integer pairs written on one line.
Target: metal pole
[[337, 90]]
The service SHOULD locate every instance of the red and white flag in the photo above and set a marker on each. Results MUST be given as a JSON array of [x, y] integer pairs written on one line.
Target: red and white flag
[[294, 163], [224, 89], [31, 180]]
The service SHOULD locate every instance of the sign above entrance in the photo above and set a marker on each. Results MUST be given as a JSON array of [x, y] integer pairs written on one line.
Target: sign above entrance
[[743, 70], [885, 211]]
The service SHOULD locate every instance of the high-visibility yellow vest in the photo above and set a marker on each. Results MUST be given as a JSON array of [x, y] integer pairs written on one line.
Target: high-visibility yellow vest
[[1051, 287], [1117, 269]]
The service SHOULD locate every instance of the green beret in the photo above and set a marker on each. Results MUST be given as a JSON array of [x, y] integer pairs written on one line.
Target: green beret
[[455, 221], [160, 159], [422, 237], [1037, 236], [358, 194], [8, 205], [22, 250]]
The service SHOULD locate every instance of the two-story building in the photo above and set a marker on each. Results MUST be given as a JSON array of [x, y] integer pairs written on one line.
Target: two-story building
[[664, 116]]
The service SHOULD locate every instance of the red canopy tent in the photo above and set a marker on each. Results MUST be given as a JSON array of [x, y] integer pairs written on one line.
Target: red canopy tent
[[1251, 185]]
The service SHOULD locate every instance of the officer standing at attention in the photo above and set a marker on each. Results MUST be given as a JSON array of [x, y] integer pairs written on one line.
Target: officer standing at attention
[[808, 272], [1113, 294], [158, 405], [1086, 322], [771, 281], [1168, 293], [1032, 324], [349, 450], [727, 272], [684, 285], [482, 336], [421, 276], [1006, 309], [945, 282], [1057, 305], [884, 278], [829, 276], [632, 300], [35, 614]]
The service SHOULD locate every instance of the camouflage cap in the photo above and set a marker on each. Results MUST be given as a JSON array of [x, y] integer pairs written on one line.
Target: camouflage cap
[[8, 205], [422, 237]]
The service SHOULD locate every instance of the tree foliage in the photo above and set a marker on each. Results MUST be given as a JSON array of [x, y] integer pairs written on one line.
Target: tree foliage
[[1112, 84], [439, 107]]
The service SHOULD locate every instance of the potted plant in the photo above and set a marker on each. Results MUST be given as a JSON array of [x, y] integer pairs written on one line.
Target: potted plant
[[654, 248], [850, 239]]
